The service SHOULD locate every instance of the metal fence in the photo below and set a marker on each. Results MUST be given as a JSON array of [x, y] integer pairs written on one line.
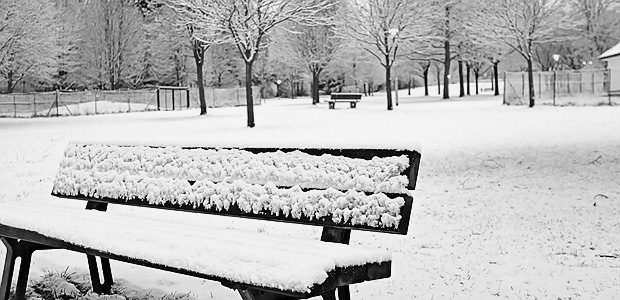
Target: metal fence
[[583, 87]]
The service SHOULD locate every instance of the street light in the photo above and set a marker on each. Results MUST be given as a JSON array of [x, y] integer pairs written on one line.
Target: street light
[[278, 82], [556, 58]]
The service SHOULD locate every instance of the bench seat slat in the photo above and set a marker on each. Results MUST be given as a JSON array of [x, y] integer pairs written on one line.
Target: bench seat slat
[[267, 261]]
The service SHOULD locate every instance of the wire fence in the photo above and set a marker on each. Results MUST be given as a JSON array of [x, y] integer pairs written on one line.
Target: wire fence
[[58, 103], [583, 87], [225, 97]]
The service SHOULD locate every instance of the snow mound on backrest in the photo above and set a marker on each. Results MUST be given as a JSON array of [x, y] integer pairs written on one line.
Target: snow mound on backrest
[[293, 184]]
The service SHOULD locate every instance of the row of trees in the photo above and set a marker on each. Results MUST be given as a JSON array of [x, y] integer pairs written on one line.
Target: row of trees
[[129, 43]]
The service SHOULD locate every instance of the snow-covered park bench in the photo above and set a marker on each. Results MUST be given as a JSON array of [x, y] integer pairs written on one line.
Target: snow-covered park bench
[[338, 189], [352, 98]]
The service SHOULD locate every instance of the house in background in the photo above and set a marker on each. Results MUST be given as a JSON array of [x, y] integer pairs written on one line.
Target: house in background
[[612, 57]]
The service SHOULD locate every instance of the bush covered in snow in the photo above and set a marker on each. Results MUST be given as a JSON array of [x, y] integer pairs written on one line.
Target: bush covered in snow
[[65, 285]]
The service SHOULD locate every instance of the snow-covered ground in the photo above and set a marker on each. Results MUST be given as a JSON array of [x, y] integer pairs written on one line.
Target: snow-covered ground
[[511, 202]]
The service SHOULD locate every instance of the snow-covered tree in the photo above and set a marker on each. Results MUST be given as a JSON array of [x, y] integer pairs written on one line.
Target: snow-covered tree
[[28, 35], [452, 32], [112, 42], [381, 27], [599, 23], [247, 22], [314, 47], [224, 64], [69, 24], [523, 24]]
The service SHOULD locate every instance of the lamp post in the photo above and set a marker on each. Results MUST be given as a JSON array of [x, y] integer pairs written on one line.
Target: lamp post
[[278, 82], [556, 58]]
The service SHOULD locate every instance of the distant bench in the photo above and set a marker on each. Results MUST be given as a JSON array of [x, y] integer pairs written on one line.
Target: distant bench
[[338, 189], [352, 98]]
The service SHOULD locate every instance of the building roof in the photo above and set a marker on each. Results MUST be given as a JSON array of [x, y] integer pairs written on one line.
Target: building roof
[[612, 52]]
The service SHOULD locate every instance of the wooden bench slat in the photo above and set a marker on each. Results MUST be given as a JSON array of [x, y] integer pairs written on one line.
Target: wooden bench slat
[[88, 235], [410, 172]]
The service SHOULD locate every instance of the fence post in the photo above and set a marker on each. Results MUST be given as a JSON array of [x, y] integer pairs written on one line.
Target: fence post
[[187, 97], [523, 85], [172, 98], [34, 103], [593, 91], [14, 107], [128, 103], [158, 98], [96, 98], [504, 87], [56, 102], [568, 83], [540, 85]]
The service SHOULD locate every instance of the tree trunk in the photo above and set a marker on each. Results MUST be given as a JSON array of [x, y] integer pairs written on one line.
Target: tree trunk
[[476, 75], [530, 81], [446, 70], [388, 86], [9, 83], [315, 86], [248, 94], [496, 75], [425, 72], [112, 85], [468, 71], [461, 80], [438, 80], [199, 55], [409, 86]]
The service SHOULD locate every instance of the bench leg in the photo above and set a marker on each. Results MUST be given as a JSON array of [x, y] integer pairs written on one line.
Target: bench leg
[[343, 294], [353, 104], [342, 236], [99, 287], [332, 105], [14, 249], [9, 268], [252, 294]]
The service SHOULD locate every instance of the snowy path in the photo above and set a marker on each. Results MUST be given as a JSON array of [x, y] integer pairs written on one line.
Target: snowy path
[[504, 206]]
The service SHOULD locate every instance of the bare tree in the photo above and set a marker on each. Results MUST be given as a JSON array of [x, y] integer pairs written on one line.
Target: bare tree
[[28, 35], [382, 26], [224, 63], [599, 23], [523, 24], [314, 47], [450, 29], [247, 22], [177, 23], [112, 40]]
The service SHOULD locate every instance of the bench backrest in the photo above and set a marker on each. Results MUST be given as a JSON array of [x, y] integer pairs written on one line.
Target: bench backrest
[[366, 189], [346, 96]]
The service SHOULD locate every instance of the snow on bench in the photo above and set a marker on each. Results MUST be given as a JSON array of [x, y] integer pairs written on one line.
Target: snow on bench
[[339, 189]]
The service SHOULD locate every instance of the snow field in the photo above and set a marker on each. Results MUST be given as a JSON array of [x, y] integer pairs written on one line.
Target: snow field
[[504, 206]]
